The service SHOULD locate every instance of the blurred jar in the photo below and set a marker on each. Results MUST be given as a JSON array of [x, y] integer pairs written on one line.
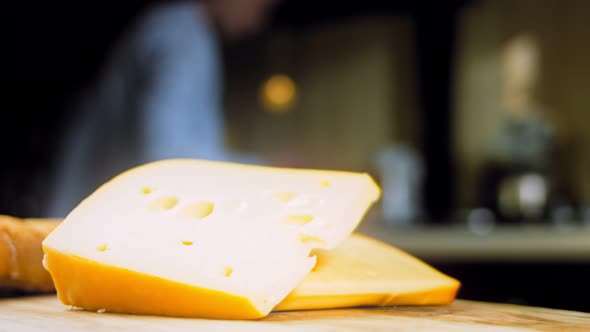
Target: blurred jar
[[401, 171]]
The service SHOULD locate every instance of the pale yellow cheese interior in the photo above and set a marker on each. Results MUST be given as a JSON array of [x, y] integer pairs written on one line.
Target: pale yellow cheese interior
[[226, 235]]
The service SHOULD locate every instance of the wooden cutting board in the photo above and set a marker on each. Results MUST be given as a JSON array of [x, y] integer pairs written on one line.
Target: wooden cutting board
[[46, 313]]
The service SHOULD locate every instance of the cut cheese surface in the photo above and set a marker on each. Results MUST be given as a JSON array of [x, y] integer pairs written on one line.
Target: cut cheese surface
[[365, 272], [199, 238]]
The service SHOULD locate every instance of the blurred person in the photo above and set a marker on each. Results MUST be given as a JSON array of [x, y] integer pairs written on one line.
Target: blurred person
[[158, 96]]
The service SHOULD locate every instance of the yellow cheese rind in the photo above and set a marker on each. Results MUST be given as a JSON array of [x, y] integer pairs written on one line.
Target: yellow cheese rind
[[365, 272], [94, 286], [224, 233]]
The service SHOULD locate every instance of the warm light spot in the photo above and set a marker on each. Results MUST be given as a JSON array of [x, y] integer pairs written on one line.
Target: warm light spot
[[325, 183], [187, 243], [198, 210], [278, 94], [146, 190]]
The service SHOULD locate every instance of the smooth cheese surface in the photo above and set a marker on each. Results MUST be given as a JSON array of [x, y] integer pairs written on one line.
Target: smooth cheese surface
[[192, 235], [365, 272]]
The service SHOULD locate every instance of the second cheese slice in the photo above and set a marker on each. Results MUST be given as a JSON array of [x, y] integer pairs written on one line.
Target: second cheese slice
[[202, 239], [365, 272]]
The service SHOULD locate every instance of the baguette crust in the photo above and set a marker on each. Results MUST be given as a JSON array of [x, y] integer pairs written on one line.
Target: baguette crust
[[21, 254]]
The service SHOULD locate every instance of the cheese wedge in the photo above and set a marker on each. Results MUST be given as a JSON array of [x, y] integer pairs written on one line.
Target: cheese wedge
[[365, 272], [198, 238]]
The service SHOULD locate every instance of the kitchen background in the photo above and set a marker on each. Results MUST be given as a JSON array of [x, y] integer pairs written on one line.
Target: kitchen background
[[473, 115]]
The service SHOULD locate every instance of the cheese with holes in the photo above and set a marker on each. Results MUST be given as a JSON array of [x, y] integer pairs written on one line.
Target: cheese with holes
[[365, 272], [199, 238]]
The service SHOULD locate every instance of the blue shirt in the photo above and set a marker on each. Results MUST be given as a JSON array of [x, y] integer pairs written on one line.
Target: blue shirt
[[158, 97]]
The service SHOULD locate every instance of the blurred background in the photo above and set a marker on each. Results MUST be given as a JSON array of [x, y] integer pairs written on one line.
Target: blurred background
[[473, 115]]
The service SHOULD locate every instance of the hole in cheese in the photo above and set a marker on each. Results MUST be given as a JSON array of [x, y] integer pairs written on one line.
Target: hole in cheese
[[311, 240], [325, 183], [102, 247], [284, 196], [298, 219], [227, 271], [146, 190], [187, 243], [198, 210], [164, 203]]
